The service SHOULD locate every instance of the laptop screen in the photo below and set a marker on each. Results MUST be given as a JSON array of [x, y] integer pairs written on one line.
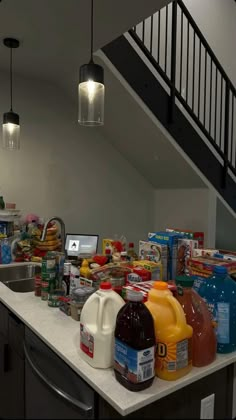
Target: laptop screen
[[81, 244]]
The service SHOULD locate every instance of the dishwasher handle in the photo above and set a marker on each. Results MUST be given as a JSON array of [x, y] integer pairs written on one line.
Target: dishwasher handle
[[84, 409]]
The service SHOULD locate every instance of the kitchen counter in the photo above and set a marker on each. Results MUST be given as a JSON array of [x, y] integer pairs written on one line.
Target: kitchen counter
[[61, 334]]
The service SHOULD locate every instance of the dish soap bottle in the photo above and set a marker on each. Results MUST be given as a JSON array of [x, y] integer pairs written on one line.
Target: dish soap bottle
[[134, 359]]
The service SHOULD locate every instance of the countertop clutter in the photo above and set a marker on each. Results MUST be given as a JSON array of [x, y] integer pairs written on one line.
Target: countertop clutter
[[61, 334], [150, 322]]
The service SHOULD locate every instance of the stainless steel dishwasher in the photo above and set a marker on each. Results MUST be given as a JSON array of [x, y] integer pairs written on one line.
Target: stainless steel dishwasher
[[52, 389]]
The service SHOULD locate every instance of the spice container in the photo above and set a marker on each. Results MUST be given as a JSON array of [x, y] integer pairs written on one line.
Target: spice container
[[64, 304], [37, 285], [81, 294], [76, 309]]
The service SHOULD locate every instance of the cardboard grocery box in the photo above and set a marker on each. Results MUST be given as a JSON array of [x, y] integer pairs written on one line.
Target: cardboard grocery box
[[190, 234], [204, 252], [107, 244], [152, 251], [154, 268], [171, 240], [203, 266], [186, 248]]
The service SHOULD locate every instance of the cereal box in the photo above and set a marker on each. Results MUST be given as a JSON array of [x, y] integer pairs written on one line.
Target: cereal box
[[185, 251], [152, 251], [190, 234], [203, 266], [171, 240], [155, 268]]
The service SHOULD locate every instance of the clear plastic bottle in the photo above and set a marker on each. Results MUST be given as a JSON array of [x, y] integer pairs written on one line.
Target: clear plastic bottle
[[198, 316], [132, 256], [6, 257], [134, 359], [219, 292]]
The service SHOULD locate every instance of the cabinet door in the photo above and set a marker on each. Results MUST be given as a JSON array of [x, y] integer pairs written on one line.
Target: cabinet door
[[11, 367]]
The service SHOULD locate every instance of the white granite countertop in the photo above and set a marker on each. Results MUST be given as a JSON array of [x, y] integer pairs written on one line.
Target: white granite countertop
[[61, 334]]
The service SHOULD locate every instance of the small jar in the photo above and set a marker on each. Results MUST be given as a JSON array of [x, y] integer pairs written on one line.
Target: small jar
[[76, 309]]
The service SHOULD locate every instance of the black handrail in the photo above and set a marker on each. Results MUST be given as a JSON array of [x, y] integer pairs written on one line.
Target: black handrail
[[205, 80]]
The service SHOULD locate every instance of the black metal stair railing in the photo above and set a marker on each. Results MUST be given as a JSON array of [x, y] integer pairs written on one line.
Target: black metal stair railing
[[175, 46]]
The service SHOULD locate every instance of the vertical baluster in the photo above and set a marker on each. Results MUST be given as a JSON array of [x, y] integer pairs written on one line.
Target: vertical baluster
[[159, 36], [216, 98], [143, 32], [181, 54], [221, 100], [151, 34], [187, 62], [199, 77], [210, 98], [232, 129], [193, 87], [205, 84], [166, 38], [173, 61], [226, 133]]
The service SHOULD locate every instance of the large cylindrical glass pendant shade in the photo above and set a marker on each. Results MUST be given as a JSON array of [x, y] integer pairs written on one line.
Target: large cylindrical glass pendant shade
[[11, 131], [91, 92]]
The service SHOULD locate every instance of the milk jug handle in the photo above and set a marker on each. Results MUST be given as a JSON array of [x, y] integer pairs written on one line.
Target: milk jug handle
[[101, 312], [179, 313]]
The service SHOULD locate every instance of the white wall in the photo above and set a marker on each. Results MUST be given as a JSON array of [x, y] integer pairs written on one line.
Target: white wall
[[70, 171], [225, 228], [216, 20], [193, 209]]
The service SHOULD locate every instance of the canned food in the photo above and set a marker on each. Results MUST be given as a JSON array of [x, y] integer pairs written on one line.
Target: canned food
[[47, 276], [54, 298], [48, 263], [37, 285]]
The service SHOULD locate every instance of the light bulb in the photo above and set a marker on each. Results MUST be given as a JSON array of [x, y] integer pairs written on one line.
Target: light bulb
[[11, 136]]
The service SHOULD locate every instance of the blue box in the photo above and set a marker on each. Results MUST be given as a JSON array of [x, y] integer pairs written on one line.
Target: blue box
[[171, 240]]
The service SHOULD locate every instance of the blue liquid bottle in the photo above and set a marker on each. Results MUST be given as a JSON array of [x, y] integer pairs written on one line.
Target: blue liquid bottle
[[219, 292]]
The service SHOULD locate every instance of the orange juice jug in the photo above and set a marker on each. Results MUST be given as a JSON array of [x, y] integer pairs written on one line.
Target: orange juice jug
[[173, 334]]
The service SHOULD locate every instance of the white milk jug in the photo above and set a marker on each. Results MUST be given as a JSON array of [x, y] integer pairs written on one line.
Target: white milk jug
[[97, 326]]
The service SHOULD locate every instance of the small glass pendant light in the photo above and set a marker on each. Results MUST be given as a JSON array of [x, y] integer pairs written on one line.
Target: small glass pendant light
[[91, 90], [11, 120]]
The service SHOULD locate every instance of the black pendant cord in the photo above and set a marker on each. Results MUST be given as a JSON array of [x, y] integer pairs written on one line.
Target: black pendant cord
[[11, 77], [91, 47]]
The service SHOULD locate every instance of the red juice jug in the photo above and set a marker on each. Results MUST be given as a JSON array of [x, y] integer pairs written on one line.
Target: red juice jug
[[204, 342]]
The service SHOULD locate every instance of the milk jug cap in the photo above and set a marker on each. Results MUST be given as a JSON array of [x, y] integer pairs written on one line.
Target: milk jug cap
[[219, 269], [105, 285], [160, 285], [184, 281]]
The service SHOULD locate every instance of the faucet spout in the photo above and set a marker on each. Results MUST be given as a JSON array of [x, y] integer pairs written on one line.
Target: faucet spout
[[63, 230]]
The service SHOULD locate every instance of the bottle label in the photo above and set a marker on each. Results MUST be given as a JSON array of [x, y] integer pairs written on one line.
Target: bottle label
[[223, 330], [173, 356], [135, 365], [86, 341]]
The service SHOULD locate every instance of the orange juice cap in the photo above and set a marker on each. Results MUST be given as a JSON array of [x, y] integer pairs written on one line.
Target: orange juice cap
[[160, 285]]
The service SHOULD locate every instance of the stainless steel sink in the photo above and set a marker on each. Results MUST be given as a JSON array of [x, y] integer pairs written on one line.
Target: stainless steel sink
[[19, 278]]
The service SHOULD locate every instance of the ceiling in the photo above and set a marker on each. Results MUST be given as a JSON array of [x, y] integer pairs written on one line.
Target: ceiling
[[55, 34], [55, 37]]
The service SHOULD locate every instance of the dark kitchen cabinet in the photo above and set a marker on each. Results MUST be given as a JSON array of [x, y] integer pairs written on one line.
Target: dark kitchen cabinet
[[11, 365]]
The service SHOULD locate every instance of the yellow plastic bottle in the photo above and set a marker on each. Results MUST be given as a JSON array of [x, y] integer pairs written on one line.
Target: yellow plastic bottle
[[173, 334]]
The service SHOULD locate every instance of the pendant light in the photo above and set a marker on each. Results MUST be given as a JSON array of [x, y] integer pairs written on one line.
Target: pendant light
[[91, 89], [11, 120]]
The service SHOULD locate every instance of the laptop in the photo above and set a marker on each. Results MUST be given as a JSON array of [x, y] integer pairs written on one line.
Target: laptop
[[81, 245]]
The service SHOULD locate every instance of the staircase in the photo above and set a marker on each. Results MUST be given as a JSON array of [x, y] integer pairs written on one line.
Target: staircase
[[168, 62]]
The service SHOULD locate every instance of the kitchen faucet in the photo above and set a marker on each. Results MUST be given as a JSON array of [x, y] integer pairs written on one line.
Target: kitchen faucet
[[62, 224]]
